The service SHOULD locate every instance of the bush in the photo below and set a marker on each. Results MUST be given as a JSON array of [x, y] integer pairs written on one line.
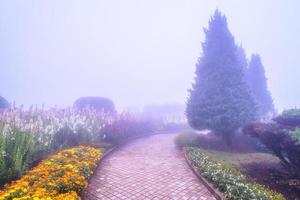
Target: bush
[[289, 117], [61, 176], [242, 143], [296, 135], [125, 128], [281, 141], [187, 139], [282, 138], [98, 103], [175, 127], [227, 179], [3, 103]]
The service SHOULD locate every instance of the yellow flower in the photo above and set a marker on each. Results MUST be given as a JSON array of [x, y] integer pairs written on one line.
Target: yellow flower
[[66, 171]]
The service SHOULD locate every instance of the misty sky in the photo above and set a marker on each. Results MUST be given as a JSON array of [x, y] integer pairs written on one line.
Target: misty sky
[[133, 51]]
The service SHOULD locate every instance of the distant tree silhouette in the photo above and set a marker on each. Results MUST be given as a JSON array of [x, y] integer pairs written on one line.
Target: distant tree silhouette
[[242, 59], [220, 98], [98, 103], [258, 84], [3, 103]]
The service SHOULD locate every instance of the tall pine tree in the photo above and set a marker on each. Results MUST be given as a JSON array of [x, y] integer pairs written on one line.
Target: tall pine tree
[[241, 56], [258, 84], [220, 99], [3, 103]]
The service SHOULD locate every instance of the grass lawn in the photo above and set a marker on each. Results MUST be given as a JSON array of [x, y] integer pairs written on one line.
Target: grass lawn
[[241, 159]]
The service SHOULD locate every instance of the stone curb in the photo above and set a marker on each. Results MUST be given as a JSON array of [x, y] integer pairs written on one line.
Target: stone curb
[[210, 187]]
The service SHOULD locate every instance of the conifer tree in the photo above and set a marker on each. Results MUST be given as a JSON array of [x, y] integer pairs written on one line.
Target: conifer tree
[[242, 59], [3, 103], [220, 98], [258, 85]]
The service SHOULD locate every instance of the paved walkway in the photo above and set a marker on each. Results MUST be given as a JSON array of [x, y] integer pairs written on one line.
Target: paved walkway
[[147, 168]]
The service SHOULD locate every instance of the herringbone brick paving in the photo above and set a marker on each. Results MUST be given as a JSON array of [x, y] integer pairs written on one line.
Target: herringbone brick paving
[[147, 168]]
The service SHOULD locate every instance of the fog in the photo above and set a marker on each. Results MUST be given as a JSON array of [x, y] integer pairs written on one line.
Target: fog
[[136, 52]]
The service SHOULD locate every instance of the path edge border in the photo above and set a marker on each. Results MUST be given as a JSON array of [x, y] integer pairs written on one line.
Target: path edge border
[[216, 193], [84, 193]]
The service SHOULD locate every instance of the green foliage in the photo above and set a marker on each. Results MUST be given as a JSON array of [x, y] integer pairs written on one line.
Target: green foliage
[[188, 139], [16, 154], [289, 117], [227, 179], [282, 138], [295, 134], [295, 113], [3, 103], [220, 99], [66, 138]]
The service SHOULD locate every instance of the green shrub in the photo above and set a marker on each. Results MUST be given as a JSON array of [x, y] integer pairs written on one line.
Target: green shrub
[[227, 179], [188, 139], [66, 138], [17, 153], [295, 134], [295, 112], [282, 141], [289, 117]]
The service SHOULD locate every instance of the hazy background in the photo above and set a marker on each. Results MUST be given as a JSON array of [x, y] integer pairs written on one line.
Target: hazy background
[[136, 52]]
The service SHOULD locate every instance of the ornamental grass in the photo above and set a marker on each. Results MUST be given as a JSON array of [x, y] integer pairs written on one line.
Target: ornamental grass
[[61, 176]]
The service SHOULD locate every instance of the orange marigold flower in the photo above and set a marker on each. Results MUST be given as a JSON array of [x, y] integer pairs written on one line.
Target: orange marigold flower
[[62, 176]]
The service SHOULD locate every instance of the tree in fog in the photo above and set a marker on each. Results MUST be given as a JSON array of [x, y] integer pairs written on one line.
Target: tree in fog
[[3, 103], [242, 59], [258, 84], [220, 98]]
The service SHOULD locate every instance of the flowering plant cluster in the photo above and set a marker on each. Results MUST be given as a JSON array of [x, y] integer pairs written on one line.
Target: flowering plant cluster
[[27, 136], [227, 179], [43, 124], [61, 176]]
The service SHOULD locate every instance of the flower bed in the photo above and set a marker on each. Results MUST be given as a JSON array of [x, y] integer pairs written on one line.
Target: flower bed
[[61, 176], [28, 136], [227, 179]]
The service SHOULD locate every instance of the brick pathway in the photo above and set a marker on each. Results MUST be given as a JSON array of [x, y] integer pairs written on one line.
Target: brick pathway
[[147, 168]]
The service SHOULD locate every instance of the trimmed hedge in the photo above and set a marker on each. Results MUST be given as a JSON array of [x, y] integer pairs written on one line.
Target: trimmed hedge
[[97, 103], [227, 179]]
